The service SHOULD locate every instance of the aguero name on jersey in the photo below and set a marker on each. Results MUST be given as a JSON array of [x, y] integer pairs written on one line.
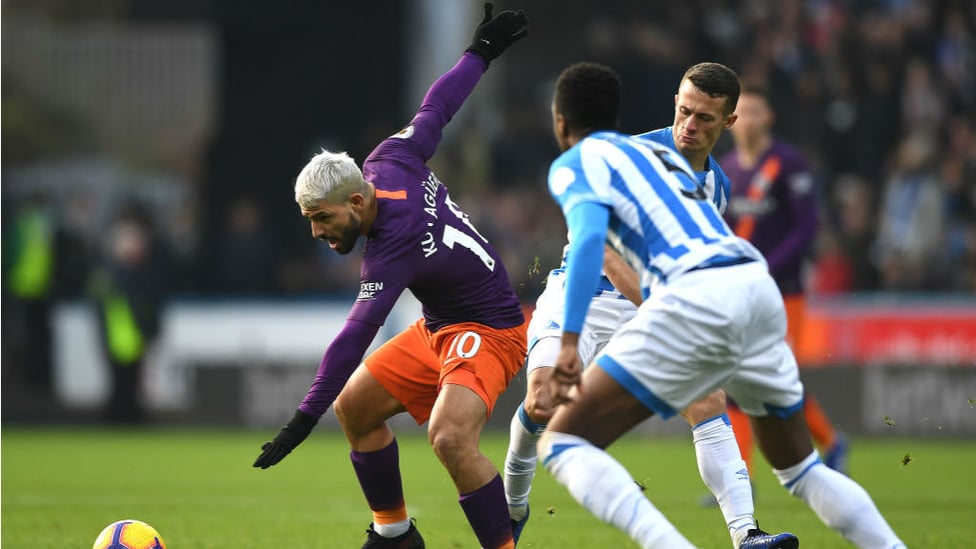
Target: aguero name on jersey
[[661, 221], [422, 241]]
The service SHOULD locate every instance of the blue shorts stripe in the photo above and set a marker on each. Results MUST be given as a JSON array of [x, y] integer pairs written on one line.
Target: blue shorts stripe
[[782, 412], [527, 422], [724, 417], [634, 387]]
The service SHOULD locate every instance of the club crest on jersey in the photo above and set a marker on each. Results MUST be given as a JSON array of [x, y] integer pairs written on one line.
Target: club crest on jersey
[[368, 290], [405, 133]]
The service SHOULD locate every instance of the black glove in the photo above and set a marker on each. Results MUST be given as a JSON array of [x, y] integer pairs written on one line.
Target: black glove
[[291, 435], [494, 35]]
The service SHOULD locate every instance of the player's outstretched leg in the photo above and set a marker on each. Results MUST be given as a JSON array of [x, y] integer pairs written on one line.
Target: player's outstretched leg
[[604, 487], [520, 465], [840, 502]]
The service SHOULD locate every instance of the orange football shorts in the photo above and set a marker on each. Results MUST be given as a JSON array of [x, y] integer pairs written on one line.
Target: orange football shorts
[[416, 363]]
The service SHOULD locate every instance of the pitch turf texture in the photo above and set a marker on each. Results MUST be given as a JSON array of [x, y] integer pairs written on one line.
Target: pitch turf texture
[[61, 487]]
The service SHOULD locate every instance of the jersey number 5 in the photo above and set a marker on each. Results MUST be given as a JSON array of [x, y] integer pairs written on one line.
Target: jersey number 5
[[690, 187]]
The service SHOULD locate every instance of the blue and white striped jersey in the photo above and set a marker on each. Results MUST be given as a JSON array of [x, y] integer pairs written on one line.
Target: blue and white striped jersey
[[717, 185], [662, 222]]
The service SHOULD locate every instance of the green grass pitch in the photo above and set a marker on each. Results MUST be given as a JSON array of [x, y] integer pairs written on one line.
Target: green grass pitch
[[60, 487]]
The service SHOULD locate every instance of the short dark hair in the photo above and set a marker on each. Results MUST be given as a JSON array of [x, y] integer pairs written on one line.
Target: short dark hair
[[715, 80], [588, 97]]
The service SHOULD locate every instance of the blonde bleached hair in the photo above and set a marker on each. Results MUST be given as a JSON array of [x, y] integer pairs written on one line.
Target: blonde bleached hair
[[329, 176]]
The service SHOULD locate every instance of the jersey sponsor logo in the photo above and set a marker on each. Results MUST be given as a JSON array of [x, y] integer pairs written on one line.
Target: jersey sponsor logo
[[743, 205], [368, 290]]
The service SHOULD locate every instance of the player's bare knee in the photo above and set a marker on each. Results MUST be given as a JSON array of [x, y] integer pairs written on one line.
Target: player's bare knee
[[339, 409], [354, 420], [538, 404], [708, 407], [539, 410], [449, 444]]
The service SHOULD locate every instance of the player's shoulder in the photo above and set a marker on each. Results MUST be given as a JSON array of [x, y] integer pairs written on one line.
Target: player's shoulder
[[661, 136], [399, 147]]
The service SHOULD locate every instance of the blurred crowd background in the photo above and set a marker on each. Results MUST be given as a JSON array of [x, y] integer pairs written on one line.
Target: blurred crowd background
[[150, 147]]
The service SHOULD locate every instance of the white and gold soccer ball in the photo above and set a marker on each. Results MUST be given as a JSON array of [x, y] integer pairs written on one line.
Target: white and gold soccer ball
[[129, 534]]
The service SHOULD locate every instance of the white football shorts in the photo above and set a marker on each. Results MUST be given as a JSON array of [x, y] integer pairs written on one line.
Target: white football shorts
[[609, 310], [722, 327]]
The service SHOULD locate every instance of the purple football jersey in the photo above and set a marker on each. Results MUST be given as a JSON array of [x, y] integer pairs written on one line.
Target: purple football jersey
[[779, 193], [420, 241]]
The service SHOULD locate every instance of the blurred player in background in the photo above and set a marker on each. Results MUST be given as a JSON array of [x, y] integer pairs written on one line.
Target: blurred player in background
[[703, 108], [448, 367], [712, 317], [773, 205]]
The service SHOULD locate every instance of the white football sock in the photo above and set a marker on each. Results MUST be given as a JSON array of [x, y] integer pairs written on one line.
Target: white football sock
[[840, 503], [392, 529], [725, 473], [603, 486], [520, 462]]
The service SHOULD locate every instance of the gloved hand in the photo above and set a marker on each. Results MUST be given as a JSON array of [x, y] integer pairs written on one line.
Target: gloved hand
[[493, 35], [291, 435]]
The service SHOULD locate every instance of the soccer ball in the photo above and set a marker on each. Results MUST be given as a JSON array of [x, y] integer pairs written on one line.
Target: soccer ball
[[129, 534]]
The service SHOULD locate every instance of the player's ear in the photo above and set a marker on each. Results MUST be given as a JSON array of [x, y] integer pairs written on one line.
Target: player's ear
[[730, 121], [357, 201]]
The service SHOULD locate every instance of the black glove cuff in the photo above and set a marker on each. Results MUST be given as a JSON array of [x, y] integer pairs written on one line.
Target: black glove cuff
[[303, 421], [483, 55]]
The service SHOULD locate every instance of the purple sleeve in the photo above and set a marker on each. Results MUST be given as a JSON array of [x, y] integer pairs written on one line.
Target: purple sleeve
[[443, 99], [802, 202], [340, 360]]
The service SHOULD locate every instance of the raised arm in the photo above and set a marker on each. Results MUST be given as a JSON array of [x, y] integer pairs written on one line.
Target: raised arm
[[447, 94]]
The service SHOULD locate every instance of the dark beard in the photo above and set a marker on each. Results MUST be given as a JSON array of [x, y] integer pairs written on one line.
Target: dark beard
[[347, 242]]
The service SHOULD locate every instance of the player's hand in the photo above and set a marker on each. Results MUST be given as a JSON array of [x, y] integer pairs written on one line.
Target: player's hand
[[566, 374], [496, 34], [291, 435]]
